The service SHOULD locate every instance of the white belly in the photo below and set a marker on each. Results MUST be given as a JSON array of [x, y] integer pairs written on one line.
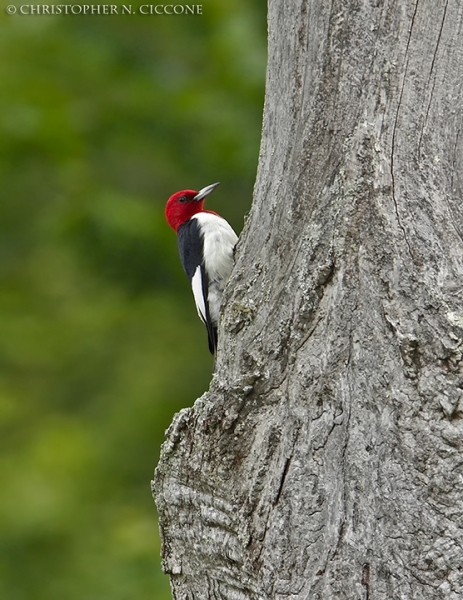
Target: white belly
[[219, 243]]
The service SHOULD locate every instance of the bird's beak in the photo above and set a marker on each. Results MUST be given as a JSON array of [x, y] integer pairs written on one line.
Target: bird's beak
[[205, 191]]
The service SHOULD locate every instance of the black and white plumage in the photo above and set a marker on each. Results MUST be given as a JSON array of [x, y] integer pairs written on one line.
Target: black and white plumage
[[206, 244]]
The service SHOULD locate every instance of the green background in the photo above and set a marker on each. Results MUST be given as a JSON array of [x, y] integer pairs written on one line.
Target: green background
[[101, 119]]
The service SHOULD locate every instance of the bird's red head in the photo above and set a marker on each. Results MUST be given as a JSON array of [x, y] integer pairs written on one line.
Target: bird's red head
[[183, 205]]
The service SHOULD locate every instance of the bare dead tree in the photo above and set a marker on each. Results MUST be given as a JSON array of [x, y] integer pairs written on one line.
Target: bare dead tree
[[326, 460]]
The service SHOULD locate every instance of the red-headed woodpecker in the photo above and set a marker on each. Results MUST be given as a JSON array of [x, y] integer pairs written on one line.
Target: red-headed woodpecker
[[206, 243]]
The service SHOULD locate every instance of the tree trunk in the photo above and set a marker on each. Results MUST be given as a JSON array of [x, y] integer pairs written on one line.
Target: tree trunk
[[326, 461]]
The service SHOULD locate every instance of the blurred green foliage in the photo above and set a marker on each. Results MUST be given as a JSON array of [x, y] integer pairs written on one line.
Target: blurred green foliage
[[101, 119]]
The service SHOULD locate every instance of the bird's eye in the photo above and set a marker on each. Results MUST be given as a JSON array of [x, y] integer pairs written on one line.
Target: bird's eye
[[183, 199]]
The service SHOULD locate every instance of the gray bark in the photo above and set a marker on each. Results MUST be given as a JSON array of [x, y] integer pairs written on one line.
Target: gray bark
[[326, 460]]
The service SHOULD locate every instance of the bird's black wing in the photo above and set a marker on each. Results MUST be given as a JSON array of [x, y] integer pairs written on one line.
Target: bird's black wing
[[190, 245]]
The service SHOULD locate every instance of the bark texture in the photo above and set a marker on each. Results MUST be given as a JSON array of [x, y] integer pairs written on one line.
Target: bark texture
[[326, 460]]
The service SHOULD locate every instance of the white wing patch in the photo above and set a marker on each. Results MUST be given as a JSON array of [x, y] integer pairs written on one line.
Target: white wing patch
[[197, 286]]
